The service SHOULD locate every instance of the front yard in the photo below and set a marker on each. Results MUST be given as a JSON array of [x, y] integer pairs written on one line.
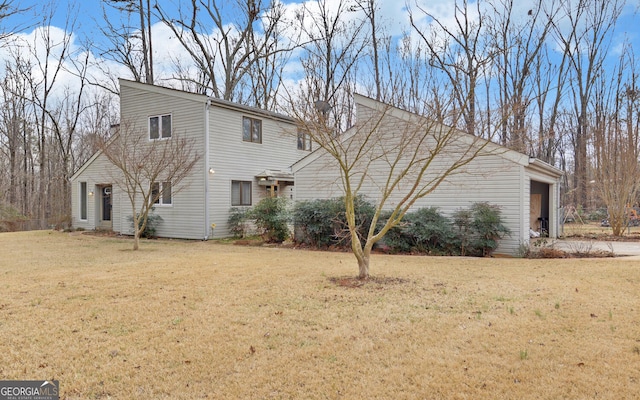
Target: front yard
[[189, 320]]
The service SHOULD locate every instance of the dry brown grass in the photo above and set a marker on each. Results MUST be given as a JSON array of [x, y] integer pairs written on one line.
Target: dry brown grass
[[188, 320], [595, 230]]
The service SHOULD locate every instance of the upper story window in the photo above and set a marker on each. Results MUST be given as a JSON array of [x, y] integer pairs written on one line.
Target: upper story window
[[160, 127], [161, 193], [251, 130], [304, 141]]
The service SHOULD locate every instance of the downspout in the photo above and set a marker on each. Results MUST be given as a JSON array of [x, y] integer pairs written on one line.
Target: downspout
[[207, 176]]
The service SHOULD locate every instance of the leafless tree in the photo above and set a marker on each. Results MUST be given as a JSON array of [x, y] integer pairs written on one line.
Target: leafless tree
[[410, 154], [48, 53], [14, 126], [9, 8], [616, 140], [586, 44], [227, 56], [519, 38], [130, 42], [142, 165], [334, 46], [460, 52]]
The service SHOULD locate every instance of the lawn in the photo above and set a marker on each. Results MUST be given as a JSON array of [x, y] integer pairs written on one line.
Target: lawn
[[191, 320]]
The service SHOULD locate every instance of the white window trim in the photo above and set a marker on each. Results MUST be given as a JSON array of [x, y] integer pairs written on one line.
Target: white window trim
[[159, 116], [85, 200], [160, 203]]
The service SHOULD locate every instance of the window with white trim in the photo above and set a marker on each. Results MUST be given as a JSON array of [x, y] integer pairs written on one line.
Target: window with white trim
[[161, 193], [160, 127], [304, 141], [83, 201], [240, 193]]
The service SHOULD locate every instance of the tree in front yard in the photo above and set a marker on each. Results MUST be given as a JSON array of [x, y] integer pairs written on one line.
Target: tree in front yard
[[402, 156], [148, 171]]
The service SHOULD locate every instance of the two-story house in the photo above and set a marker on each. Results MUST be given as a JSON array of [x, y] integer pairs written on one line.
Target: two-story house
[[245, 155]]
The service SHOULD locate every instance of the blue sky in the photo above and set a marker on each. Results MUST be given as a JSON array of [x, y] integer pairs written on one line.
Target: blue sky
[[393, 12]]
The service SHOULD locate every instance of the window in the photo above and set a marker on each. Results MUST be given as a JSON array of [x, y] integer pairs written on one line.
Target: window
[[161, 193], [160, 127], [240, 193], [83, 200], [251, 130], [304, 141]]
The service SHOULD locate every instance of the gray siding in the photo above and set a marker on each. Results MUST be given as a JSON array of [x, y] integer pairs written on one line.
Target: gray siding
[[184, 218], [234, 159], [491, 179], [496, 176]]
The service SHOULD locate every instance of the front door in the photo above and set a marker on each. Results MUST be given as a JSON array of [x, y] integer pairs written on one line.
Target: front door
[[105, 207]]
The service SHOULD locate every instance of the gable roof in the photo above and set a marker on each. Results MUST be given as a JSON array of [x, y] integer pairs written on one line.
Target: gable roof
[[202, 98], [498, 150]]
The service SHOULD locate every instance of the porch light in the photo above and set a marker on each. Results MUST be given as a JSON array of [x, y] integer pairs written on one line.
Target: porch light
[[212, 171], [91, 193]]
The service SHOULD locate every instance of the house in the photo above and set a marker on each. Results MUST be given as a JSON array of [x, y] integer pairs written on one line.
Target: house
[[525, 189], [245, 155]]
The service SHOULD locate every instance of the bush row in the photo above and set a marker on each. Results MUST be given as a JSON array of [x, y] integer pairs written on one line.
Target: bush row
[[322, 224]]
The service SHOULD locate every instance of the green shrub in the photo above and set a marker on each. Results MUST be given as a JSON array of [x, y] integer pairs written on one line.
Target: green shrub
[[238, 222], [271, 217], [489, 227], [479, 229], [397, 239], [322, 223], [431, 232], [462, 219], [422, 231], [316, 221], [153, 221]]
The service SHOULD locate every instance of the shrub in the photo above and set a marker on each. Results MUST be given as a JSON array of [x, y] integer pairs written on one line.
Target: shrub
[[153, 221], [316, 221], [322, 223], [422, 231], [397, 239], [271, 217], [238, 222], [462, 219], [431, 231], [488, 226]]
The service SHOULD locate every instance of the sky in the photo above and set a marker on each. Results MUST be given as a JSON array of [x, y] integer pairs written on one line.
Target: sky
[[393, 12]]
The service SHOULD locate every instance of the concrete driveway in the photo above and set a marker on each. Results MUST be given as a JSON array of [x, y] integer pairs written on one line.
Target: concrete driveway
[[630, 249]]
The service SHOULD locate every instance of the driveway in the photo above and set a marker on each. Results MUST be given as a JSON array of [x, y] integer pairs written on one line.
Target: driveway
[[619, 248]]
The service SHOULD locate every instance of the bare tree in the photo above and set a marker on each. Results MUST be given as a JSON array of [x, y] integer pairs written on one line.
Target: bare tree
[[586, 44], [519, 38], [616, 128], [404, 156], [148, 170], [49, 52], [7, 9], [131, 43], [461, 52], [14, 123], [227, 56], [334, 46]]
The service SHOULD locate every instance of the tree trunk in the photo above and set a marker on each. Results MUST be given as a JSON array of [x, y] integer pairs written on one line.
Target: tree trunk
[[363, 267]]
